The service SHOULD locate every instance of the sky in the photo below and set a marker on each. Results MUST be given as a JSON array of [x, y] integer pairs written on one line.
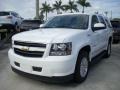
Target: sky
[[26, 8]]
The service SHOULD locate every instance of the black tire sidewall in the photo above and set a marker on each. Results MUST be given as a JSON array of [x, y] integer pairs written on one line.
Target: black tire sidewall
[[77, 77], [108, 54], [16, 28]]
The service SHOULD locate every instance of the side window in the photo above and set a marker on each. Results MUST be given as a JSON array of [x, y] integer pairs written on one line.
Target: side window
[[15, 14], [94, 21], [102, 20], [108, 23]]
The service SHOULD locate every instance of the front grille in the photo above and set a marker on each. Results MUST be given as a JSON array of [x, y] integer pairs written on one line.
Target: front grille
[[30, 44], [28, 53]]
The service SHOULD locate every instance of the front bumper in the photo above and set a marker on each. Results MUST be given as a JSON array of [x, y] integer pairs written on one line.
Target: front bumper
[[57, 66], [58, 79]]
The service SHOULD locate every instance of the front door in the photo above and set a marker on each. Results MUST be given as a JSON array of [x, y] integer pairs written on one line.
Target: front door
[[95, 37]]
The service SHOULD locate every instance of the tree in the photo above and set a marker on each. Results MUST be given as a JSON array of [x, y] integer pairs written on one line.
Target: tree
[[40, 17], [58, 6], [84, 4], [46, 8], [71, 6]]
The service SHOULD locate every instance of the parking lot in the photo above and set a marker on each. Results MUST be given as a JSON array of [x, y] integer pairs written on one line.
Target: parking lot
[[104, 75]]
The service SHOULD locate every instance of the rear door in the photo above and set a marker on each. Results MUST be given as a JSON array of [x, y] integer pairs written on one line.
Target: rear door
[[14, 17], [103, 33]]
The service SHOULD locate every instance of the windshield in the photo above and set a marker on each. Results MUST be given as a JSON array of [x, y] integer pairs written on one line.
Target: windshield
[[68, 21], [4, 13]]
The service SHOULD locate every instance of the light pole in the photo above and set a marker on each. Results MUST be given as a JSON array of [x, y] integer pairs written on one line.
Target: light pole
[[37, 9], [106, 13], [111, 15]]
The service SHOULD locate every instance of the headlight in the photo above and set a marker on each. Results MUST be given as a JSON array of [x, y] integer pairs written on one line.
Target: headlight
[[61, 49]]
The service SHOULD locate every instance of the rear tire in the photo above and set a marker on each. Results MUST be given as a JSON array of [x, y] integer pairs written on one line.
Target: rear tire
[[108, 51], [80, 71], [16, 28]]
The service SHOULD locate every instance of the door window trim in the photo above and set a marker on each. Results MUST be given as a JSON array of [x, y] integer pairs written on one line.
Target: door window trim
[[99, 16], [94, 23]]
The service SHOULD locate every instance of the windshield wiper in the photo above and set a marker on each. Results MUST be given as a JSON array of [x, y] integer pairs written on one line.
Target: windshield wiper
[[47, 27], [56, 27], [62, 27]]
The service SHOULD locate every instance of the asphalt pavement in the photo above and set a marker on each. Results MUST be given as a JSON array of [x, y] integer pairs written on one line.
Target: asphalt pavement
[[104, 75]]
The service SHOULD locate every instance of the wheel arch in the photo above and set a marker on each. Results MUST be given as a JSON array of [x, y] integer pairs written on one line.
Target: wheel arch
[[110, 39], [86, 48], [16, 23]]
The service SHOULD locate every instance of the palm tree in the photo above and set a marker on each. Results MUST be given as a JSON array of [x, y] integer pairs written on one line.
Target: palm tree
[[58, 6], [46, 8], [41, 16], [84, 4], [71, 6]]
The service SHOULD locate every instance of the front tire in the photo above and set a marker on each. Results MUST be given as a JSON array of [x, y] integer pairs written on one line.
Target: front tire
[[82, 67]]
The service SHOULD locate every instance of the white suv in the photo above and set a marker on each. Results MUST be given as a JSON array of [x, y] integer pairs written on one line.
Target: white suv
[[10, 20], [63, 48]]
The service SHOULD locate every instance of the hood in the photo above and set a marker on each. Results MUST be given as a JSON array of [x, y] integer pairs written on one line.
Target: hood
[[46, 35]]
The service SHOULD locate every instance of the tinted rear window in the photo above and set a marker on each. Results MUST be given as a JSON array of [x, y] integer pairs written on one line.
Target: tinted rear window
[[4, 13], [115, 24]]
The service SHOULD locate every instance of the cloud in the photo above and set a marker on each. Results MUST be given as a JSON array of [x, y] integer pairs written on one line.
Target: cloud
[[26, 8]]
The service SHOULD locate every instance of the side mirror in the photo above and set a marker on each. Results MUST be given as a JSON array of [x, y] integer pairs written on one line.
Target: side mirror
[[41, 25], [99, 26]]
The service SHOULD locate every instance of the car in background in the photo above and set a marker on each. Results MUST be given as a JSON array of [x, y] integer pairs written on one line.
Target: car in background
[[30, 24], [10, 20], [116, 33]]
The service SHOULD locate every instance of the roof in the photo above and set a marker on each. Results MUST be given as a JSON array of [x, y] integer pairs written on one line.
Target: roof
[[6, 11], [79, 14]]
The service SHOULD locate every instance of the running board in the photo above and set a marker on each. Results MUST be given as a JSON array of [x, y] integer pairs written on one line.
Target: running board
[[98, 58]]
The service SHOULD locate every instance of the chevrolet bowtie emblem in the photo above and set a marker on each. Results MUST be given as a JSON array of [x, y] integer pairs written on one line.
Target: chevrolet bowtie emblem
[[25, 49]]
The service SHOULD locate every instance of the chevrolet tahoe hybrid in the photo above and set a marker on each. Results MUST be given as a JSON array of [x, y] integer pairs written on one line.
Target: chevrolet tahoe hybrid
[[63, 48]]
